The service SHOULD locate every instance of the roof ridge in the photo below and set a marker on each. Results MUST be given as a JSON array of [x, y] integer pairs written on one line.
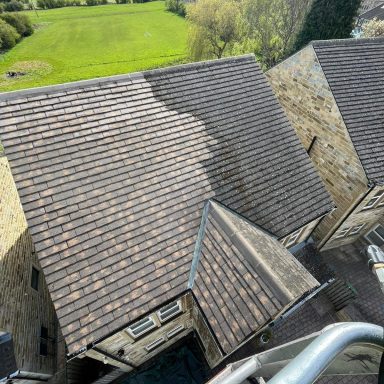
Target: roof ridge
[[381, 5], [5, 96], [348, 41]]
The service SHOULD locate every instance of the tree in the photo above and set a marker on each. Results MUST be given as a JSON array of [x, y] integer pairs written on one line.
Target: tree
[[271, 27], [8, 35], [175, 6], [20, 22], [214, 27], [373, 28], [328, 19]]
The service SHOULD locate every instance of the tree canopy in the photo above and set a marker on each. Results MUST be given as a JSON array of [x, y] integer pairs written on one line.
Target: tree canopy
[[373, 28], [214, 27], [328, 19]]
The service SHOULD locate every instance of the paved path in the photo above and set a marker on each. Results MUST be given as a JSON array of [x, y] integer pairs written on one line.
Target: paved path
[[349, 264]]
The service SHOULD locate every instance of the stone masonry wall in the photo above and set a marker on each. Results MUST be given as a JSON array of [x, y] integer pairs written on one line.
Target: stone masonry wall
[[368, 217], [306, 232], [304, 93], [134, 350], [23, 310]]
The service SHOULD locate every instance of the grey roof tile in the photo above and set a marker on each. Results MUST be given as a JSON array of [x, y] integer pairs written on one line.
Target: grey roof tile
[[354, 69], [117, 170], [244, 277]]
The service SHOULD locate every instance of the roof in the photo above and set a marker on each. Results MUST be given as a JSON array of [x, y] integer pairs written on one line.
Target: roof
[[354, 69], [377, 12], [244, 277], [113, 175]]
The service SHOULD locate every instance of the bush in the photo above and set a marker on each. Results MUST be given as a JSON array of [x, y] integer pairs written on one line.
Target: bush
[[50, 4], [13, 6], [91, 2], [1, 7], [176, 6], [373, 28], [8, 35], [20, 22]]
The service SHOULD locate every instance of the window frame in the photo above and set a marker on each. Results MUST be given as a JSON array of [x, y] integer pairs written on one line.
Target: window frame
[[373, 229], [175, 331], [378, 201], [180, 310], [293, 237], [145, 331], [37, 279], [340, 235], [155, 344], [353, 230]]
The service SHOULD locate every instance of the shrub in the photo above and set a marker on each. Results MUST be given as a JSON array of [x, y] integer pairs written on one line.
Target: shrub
[[122, 1], [91, 2], [49, 4], [175, 6], [20, 22], [1, 7], [8, 35], [373, 28], [13, 6]]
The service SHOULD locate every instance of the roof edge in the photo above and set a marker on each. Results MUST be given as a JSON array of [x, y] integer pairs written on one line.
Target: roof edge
[[347, 41], [22, 93], [361, 16], [237, 237]]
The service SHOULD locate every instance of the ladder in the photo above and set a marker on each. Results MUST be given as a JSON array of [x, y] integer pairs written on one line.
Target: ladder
[[339, 349]]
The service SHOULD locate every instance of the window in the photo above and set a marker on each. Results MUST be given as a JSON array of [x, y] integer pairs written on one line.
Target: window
[[375, 201], [293, 237], [44, 332], [141, 327], [169, 311], [35, 279], [43, 341], [43, 347], [154, 344], [175, 331], [376, 236], [342, 233], [356, 229]]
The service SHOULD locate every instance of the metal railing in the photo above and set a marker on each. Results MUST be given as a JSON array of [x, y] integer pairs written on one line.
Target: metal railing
[[311, 362]]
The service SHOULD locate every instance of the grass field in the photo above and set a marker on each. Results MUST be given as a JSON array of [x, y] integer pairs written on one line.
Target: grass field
[[77, 43]]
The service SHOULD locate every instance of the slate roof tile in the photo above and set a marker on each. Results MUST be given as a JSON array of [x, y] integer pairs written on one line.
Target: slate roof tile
[[117, 170], [354, 69], [244, 278]]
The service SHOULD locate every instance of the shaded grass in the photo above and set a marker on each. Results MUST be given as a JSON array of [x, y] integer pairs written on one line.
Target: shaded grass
[[86, 42]]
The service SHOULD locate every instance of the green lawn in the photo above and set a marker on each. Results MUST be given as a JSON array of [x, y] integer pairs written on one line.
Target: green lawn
[[77, 43]]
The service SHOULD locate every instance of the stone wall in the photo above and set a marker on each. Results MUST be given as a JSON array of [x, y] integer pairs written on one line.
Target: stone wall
[[134, 350], [23, 310], [304, 93], [304, 234], [368, 217]]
